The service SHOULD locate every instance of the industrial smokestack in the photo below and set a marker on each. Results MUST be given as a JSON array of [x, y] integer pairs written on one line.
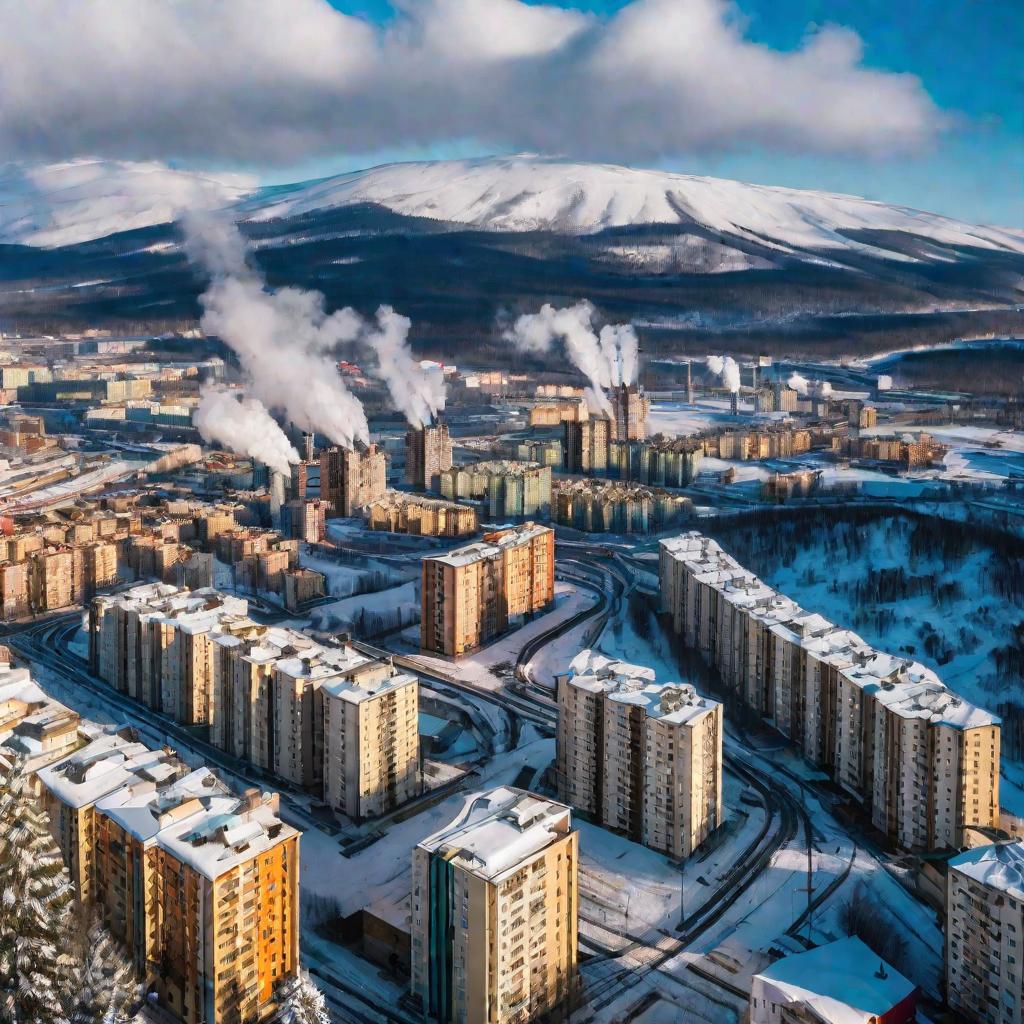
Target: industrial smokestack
[[734, 403], [689, 383], [276, 498]]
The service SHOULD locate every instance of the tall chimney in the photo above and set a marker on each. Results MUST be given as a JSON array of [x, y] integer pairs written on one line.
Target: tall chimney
[[735, 403], [689, 382]]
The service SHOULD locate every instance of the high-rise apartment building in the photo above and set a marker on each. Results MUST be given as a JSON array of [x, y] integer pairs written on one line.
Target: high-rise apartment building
[[351, 478], [371, 742], [503, 488], [630, 408], [474, 593], [199, 885], [305, 520], [494, 912], [641, 757], [586, 445], [922, 761], [428, 453], [984, 932], [155, 643], [418, 515]]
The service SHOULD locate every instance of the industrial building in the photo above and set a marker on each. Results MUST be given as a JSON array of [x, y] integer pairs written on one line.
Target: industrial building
[[984, 930], [428, 453], [475, 593], [504, 489], [494, 912], [638, 756], [922, 761]]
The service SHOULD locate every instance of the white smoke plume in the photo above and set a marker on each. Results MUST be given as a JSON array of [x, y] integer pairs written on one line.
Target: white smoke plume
[[606, 360], [417, 393], [727, 368], [797, 383], [281, 337], [243, 426]]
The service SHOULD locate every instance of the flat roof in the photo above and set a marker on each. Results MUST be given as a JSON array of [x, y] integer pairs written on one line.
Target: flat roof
[[999, 866]]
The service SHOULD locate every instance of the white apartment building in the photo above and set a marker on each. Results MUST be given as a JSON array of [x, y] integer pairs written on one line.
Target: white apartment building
[[641, 757], [922, 761], [985, 933]]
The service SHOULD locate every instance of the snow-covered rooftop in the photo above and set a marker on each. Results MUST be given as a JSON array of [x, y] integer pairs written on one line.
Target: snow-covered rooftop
[[842, 982], [999, 866], [491, 546], [498, 829]]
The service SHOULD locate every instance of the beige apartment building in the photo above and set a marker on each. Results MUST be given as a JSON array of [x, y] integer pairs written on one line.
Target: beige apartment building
[[351, 478], [428, 453], [494, 912], [420, 516], [371, 742], [630, 409], [984, 932], [923, 762], [476, 592], [641, 757]]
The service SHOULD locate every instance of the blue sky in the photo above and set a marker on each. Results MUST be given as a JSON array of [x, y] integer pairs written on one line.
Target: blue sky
[[967, 54]]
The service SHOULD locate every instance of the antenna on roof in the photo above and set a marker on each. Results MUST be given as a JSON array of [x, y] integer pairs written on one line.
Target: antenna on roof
[[881, 973]]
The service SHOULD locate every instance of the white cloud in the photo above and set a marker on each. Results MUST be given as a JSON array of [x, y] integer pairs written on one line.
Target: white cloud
[[280, 81]]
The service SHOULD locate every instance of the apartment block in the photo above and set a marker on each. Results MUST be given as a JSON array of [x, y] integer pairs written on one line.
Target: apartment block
[[371, 742], [586, 446], [32, 724], [494, 912], [638, 756], [156, 644], [923, 762], [352, 478], [603, 506], [504, 488], [201, 886], [305, 519], [658, 462], [630, 409], [984, 931], [474, 593], [428, 453], [551, 414], [417, 515]]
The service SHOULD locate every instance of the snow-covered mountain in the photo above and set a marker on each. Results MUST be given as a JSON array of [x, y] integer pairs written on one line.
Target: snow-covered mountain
[[54, 205], [742, 225], [527, 193]]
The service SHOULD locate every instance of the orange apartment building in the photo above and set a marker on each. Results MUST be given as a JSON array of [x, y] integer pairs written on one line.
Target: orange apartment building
[[350, 479], [474, 593]]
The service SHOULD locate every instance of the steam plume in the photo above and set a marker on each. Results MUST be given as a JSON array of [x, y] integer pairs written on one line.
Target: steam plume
[[417, 393], [244, 426], [798, 383], [727, 368], [282, 338], [606, 360]]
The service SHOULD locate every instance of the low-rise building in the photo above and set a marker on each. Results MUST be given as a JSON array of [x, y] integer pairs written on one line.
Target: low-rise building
[[601, 506], [415, 514], [842, 982], [494, 912]]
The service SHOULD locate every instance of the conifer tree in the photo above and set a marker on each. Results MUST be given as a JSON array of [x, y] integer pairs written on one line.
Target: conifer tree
[[302, 1002], [105, 988], [36, 971]]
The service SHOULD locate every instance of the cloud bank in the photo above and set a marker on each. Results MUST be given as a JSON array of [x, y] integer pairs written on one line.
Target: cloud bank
[[268, 82]]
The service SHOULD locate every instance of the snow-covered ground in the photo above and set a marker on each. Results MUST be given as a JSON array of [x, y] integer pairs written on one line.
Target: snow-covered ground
[[678, 419]]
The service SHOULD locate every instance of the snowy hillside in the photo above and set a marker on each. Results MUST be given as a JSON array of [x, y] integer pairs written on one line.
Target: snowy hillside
[[524, 193], [62, 204]]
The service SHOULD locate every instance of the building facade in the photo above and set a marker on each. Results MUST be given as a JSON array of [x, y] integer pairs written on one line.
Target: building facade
[[630, 409], [428, 453], [494, 912], [350, 478], [586, 446], [504, 489], [641, 757], [472, 594], [921, 761], [984, 930], [420, 516]]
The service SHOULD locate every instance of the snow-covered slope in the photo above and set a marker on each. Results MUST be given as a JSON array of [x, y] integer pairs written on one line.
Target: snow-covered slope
[[61, 204], [524, 193]]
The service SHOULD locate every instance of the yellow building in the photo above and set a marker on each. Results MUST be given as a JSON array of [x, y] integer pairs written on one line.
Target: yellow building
[[417, 515], [476, 592], [641, 757], [984, 925], [351, 479], [494, 912]]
